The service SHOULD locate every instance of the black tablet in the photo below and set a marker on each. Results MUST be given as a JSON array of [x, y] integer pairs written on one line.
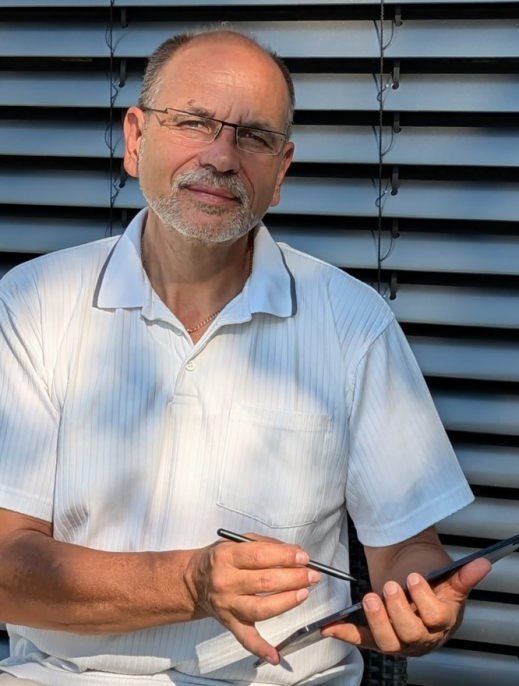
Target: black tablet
[[355, 615]]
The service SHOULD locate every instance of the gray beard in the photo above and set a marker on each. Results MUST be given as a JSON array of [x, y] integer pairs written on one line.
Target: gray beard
[[239, 222]]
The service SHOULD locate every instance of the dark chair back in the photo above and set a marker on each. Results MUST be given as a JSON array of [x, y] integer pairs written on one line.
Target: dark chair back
[[379, 669]]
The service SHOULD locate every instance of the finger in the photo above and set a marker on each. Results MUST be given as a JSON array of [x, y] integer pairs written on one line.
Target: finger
[[262, 582], [351, 633], [380, 625], [263, 555], [252, 641], [256, 608], [267, 539], [433, 619], [437, 614], [277, 580]]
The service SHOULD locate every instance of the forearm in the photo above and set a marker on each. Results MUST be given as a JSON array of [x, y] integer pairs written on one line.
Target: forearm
[[59, 586], [420, 556]]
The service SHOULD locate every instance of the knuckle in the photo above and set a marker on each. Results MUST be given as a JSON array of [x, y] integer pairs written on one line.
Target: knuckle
[[410, 636], [436, 622], [392, 646], [256, 613], [259, 556], [219, 583], [266, 582]]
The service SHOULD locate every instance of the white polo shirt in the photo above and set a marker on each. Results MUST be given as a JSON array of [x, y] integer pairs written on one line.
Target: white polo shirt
[[301, 396]]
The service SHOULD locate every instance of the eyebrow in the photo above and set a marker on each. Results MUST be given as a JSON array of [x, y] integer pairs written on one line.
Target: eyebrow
[[254, 124]]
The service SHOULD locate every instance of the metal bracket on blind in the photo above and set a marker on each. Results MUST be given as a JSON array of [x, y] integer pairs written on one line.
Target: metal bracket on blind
[[395, 232], [123, 175], [395, 181], [124, 20], [122, 73], [396, 123], [393, 285], [398, 15], [396, 75]]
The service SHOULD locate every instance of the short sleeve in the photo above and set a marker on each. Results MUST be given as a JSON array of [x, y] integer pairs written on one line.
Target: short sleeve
[[28, 420], [403, 475]]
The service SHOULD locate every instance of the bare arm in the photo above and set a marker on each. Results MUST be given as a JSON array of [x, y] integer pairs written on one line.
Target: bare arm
[[414, 627], [48, 584], [420, 554], [52, 585]]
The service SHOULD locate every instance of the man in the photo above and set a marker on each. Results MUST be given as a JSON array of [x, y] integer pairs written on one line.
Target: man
[[192, 375]]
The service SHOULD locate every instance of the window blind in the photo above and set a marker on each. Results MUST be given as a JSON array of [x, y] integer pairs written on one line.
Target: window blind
[[448, 231]]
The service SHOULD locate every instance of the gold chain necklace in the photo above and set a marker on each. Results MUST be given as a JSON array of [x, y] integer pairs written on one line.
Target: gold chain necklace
[[213, 316]]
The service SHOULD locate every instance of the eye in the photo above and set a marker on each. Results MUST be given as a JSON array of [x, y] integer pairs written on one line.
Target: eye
[[253, 135], [189, 123], [255, 138], [192, 124]]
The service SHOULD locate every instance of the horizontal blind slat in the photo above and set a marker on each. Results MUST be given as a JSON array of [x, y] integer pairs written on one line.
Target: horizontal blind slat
[[318, 144], [490, 518], [490, 623], [496, 466], [450, 667], [317, 196], [466, 358], [348, 92], [457, 253], [317, 38], [478, 412], [46, 235], [456, 306]]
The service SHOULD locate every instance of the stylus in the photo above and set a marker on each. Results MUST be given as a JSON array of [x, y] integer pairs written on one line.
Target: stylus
[[312, 564]]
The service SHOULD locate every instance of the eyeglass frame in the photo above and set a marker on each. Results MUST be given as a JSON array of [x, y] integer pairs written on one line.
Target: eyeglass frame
[[223, 123]]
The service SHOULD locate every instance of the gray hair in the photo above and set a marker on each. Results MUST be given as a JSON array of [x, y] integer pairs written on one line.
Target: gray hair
[[152, 79]]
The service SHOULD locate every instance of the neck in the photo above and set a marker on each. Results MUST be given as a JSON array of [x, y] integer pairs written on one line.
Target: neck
[[194, 280]]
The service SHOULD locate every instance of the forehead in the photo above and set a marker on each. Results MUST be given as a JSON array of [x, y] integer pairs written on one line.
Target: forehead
[[225, 76]]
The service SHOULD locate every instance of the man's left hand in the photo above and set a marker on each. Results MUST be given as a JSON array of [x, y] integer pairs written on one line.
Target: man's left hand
[[413, 627]]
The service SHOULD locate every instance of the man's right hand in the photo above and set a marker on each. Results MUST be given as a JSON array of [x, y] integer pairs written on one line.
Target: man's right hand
[[49, 584], [242, 583]]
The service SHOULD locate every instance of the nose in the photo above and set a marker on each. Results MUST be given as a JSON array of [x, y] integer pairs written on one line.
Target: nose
[[222, 155]]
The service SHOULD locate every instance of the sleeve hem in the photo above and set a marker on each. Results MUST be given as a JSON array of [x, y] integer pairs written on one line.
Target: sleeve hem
[[26, 503], [418, 520]]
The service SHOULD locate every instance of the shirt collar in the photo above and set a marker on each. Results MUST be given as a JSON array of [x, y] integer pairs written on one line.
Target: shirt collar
[[124, 284], [271, 285]]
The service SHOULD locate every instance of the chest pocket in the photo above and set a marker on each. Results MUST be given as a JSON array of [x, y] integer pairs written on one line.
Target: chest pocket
[[273, 469]]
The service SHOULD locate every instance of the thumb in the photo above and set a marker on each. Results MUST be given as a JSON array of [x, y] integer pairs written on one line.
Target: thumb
[[469, 575]]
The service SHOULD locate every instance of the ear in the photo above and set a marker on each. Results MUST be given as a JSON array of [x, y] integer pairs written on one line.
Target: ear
[[133, 127], [286, 161]]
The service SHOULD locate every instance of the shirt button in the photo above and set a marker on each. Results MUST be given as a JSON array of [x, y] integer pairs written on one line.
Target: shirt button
[[190, 366]]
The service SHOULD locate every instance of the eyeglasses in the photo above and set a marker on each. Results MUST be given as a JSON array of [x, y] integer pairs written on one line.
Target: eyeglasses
[[206, 129]]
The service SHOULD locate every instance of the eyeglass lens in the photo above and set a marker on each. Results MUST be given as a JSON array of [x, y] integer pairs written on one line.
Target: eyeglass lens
[[201, 128]]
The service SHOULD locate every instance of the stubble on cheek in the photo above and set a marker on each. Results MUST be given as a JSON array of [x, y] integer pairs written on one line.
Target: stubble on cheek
[[179, 211]]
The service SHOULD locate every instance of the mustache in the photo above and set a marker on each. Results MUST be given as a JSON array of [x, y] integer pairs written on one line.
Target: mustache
[[214, 179]]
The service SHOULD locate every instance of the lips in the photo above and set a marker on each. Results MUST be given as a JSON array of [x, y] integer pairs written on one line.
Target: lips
[[212, 191]]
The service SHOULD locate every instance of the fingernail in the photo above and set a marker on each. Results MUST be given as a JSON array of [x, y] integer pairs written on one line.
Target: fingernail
[[372, 604], [391, 588], [302, 594], [269, 659], [313, 577], [302, 558], [413, 580]]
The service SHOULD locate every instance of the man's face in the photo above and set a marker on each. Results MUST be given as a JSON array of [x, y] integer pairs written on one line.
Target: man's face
[[212, 192]]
